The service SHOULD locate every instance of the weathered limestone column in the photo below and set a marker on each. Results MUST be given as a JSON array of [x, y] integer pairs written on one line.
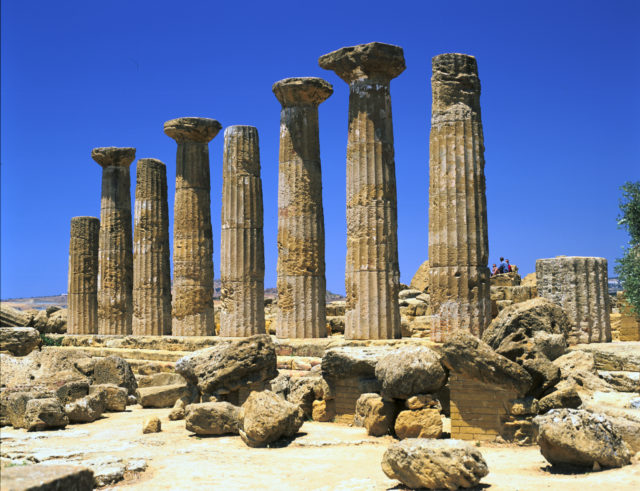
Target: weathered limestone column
[[301, 267], [151, 268], [242, 249], [580, 285], [458, 243], [372, 272], [192, 307], [82, 296], [115, 264]]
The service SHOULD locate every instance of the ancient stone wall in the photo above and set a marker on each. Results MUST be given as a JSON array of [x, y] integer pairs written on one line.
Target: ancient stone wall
[[458, 242], [580, 286]]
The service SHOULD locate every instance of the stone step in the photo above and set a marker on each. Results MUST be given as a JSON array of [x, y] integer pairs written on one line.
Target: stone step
[[129, 353]]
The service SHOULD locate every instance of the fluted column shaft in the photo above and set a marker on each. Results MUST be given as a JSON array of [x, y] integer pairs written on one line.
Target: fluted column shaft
[[458, 243], [115, 263], [580, 286], [242, 240], [301, 265], [82, 295], [151, 268], [372, 271], [192, 306]]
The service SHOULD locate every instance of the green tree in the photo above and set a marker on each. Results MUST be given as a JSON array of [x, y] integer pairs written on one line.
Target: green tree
[[628, 267]]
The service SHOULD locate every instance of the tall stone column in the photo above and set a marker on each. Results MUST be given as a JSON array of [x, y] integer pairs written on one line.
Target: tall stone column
[[192, 307], [580, 285], [82, 296], [301, 268], [151, 268], [242, 249], [115, 264], [372, 272], [458, 244]]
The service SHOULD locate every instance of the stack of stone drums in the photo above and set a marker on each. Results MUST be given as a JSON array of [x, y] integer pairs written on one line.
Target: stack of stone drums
[[580, 286]]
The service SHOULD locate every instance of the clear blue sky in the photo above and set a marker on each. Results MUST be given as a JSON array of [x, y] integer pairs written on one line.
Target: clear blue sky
[[560, 107]]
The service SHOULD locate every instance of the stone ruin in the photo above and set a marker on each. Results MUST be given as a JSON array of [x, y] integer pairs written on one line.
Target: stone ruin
[[497, 364]]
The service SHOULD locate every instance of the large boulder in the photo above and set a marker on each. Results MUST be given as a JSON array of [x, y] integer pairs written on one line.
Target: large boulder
[[230, 365], [19, 341], [213, 418], [512, 333], [162, 378], [303, 391], [10, 317], [268, 418], [434, 464], [377, 415], [165, 395], [578, 437], [420, 280], [544, 373], [115, 398], [410, 370], [352, 361], [115, 370], [44, 414], [71, 391], [563, 397], [86, 409], [467, 355], [421, 423], [15, 405], [577, 369], [47, 477]]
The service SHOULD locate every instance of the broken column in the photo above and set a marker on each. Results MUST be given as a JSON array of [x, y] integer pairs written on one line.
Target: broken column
[[301, 266], [115, 263], [372, 272], [151, 268], [458, 243], [192, 306], [82, 296], [242, 249], [580, 285]]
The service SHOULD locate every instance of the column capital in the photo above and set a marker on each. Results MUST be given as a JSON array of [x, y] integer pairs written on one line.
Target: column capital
[[302, 91], [455, 81], [365, 61], [201, 130], [113, 156]]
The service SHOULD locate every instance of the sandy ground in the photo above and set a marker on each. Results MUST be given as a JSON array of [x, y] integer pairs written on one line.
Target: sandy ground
[[324, 456]]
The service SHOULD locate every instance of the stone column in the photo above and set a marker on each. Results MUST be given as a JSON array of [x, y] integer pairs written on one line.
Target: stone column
[[301, 268], [372, 272], [242, 241], [192, 307], [82, 296], [580, 285], [151, 268], [458, 244], [115, 264]]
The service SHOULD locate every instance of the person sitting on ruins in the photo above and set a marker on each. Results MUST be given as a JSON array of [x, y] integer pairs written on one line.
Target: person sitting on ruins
[[502, 268], [494, 270], [509, 270]]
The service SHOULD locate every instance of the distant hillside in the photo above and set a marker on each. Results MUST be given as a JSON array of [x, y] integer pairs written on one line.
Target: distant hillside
[[41, 303]]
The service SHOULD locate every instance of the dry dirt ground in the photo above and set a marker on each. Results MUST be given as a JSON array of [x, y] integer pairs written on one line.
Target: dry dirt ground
[[324, 456]]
